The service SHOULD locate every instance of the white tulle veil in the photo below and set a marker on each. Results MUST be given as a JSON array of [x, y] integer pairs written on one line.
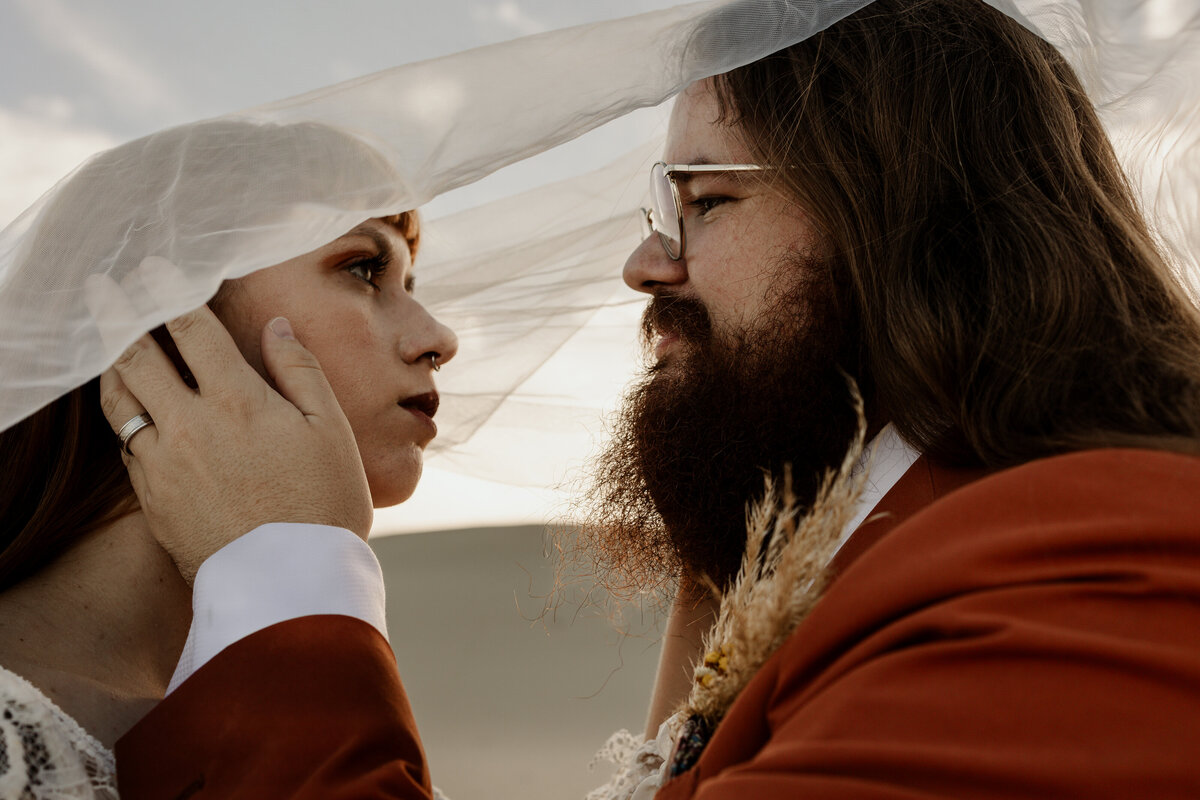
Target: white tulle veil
[[149, 229]]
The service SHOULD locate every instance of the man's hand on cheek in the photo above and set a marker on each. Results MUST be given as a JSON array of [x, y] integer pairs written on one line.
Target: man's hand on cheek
[[234, 453]]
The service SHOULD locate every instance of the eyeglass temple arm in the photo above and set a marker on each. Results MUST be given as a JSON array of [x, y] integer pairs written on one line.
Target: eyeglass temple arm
[[712, 167]]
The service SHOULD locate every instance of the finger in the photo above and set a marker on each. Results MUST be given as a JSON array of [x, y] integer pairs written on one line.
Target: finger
[[296, 372], [116, 318], [120, 406], [162, 280], [208, 350], [137, 475], [150, 377]]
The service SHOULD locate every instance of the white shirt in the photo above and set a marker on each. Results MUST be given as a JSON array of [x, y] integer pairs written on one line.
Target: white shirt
[[286, 570], [888, 457], [274, 573]]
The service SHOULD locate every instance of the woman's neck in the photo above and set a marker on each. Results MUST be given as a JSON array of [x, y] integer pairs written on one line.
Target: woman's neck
[[100, 629]]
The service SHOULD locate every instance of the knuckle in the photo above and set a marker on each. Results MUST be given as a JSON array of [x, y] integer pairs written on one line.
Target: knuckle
[[184, 325], [175, 454], [132, 356], [234, 402], [307, 361], [110, 399], [185, 443]]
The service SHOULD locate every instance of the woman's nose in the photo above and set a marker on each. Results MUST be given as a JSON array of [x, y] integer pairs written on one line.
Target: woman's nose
[[446, 343], [649, 268], [426, 336]]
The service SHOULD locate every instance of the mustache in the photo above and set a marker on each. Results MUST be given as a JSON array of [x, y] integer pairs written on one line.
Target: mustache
[[686, 317]]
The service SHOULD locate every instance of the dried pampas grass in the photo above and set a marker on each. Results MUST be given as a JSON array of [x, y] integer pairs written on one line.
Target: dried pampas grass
[[783, 574]]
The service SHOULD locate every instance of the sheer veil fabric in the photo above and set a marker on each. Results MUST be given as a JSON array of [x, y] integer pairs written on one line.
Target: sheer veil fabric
[[149, 229]]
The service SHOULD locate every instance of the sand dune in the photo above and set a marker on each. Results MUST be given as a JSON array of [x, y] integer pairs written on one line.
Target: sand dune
[[511, 702]]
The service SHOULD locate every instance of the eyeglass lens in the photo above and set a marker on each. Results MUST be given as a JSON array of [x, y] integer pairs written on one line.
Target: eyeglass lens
[[665, 216]]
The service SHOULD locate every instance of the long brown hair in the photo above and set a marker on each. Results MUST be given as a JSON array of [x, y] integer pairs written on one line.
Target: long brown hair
[[63, 476], [63, 479], [1011, 302]]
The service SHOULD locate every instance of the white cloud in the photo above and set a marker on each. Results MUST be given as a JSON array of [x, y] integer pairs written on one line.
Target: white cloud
[[508, 14], [123, 78], [39, 145], [51, 108]]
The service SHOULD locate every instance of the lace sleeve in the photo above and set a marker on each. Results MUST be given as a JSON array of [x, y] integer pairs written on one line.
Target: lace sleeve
[[45, 754], [640, 765]]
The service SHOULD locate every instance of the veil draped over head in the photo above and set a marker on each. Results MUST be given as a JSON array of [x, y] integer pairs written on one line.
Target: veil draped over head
[[145, 231]]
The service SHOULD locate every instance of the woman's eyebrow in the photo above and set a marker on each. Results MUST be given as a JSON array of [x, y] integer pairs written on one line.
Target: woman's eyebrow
[[381, 241]]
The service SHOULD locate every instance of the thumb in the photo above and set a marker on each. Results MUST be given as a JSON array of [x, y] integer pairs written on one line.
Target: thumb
[[296, 372]]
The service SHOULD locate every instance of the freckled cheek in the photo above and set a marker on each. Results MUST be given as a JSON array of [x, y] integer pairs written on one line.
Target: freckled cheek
[[736, 283], [361, 390], [730, 290], [342, 341]]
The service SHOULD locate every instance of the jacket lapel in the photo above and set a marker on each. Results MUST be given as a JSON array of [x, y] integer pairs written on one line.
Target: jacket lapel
[[923, 483]]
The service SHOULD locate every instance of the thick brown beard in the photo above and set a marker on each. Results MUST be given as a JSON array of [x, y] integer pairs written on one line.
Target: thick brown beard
[[688, 452]]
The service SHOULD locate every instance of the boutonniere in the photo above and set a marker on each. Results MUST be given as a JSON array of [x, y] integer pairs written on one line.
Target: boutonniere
[[782, 576]]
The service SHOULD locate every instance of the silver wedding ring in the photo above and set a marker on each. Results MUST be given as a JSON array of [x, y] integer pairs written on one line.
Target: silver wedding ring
[[130, 429]]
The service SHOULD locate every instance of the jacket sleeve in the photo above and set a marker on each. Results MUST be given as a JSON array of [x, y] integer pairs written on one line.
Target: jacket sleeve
[[308, 708]]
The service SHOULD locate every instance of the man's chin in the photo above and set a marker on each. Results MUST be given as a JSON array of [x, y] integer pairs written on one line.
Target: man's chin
[[714, 413]]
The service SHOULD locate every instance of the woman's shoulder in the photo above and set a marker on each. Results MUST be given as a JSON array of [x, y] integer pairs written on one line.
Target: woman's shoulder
[[44, 753]]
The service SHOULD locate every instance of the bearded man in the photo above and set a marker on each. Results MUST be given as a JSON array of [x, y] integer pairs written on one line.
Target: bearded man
[[982, 272], [918, 205]]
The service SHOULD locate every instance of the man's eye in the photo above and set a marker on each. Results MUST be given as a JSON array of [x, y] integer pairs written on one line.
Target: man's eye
[[703, 205]]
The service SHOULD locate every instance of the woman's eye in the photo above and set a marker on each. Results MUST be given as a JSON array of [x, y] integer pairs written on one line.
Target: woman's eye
[[368, 271]]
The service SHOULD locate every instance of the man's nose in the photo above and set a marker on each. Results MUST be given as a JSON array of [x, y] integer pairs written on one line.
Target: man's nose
[[649, 268]]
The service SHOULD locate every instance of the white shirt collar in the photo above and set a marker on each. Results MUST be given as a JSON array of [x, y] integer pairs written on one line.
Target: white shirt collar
[[889, 457]]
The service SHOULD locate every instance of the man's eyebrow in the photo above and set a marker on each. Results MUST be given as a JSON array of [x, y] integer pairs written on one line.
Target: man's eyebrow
[[684, 177]]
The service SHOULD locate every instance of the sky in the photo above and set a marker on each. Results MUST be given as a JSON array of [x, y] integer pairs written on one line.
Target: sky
[[84, 75], [80, 76]]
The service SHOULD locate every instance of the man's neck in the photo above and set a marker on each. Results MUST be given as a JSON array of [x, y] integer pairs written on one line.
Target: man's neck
[[99, 630]]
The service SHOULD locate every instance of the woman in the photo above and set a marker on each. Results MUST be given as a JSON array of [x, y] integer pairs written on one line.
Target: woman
[[93, 613]]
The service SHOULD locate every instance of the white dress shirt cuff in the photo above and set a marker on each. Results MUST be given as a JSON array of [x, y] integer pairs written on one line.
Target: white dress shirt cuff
[[274, 573]]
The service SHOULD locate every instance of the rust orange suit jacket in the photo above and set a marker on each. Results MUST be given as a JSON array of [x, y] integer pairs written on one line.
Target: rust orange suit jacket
[[1035, 633]]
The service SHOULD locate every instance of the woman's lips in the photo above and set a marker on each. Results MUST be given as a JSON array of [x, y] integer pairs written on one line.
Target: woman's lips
[[423, 406], [424, 418]]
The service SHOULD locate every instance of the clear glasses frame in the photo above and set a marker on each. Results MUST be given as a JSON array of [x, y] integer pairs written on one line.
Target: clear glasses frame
[[663, 190]]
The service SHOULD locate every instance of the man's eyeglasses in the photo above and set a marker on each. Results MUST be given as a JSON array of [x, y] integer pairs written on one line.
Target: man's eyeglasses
[[665, 215]]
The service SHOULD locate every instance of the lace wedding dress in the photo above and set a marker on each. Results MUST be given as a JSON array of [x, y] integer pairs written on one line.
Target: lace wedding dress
[[45, 754], [640, 766]]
